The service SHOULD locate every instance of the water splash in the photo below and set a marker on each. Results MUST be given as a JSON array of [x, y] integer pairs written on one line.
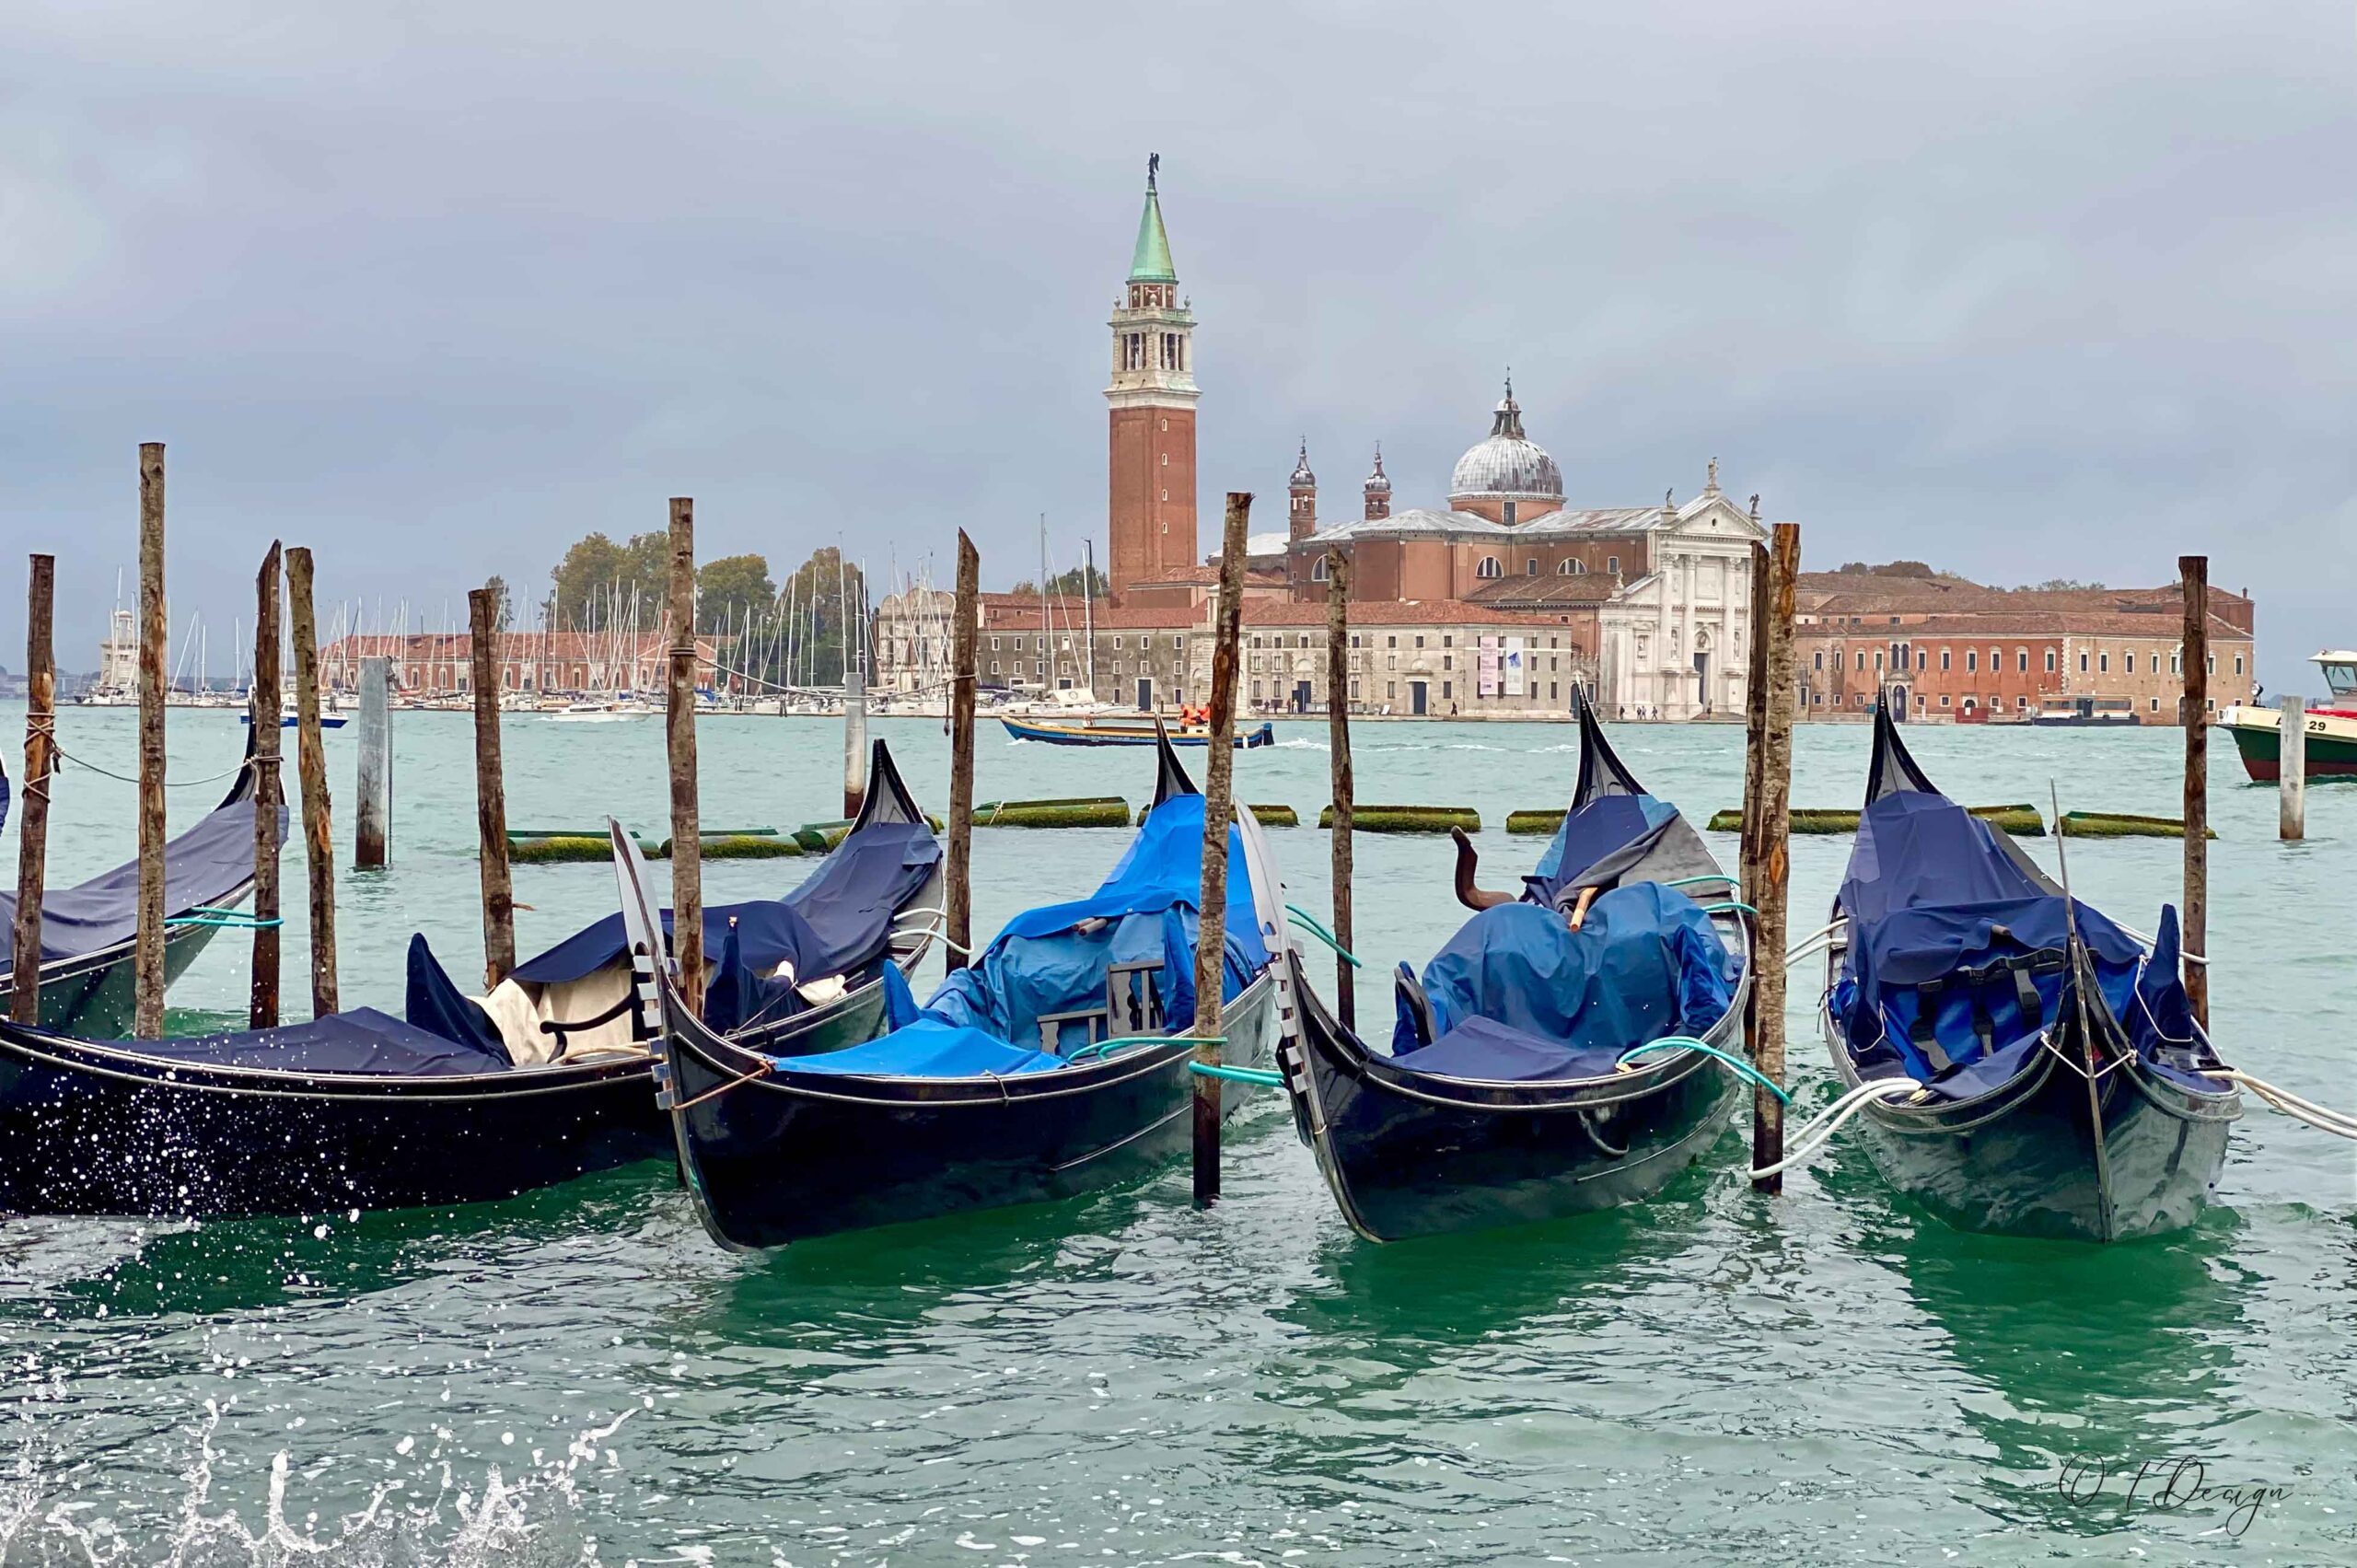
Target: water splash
[[44, 1519]]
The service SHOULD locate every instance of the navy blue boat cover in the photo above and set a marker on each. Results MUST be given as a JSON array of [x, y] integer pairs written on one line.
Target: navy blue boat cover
[[1518, 996], [1597, 844], [207, 864], [1937, 899], [839, 920], [986, 1018]]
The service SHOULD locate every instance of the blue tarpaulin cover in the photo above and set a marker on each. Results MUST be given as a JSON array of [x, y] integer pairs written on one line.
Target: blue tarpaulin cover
[[1597, 843], [1935, 899], [1518, 995], [206, 864], [837, 921], [360, 1040], [986, 1018]]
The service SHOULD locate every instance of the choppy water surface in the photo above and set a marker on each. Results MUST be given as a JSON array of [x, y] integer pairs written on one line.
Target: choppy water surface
[[579, 1375]]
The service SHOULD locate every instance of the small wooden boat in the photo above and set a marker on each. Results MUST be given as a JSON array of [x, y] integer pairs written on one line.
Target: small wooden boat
[[88, 931], [1055, 1064], [458, 1100], [1128, 732], [1539, 1067], [2064, 1083]]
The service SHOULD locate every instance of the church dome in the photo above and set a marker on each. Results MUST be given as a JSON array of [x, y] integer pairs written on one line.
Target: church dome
[[1507, 463]]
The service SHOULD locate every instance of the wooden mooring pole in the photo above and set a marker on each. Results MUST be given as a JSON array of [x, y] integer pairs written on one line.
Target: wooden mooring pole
[[311, 764], [1211, 936], [1755, 758], [270, 794], [855, 723], [1773, 873], [958, 920], [680, 738], [1338, 745], [147, 1010], [490, 792], [2291, 770], [40, 746], [2193, 571], [372, 808]]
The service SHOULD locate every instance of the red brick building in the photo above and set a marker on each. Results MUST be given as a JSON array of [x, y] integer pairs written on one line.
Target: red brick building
[[1951, 649]]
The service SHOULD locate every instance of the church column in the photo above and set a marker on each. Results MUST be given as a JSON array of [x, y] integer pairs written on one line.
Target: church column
[[1685, 636], [1656, 695]]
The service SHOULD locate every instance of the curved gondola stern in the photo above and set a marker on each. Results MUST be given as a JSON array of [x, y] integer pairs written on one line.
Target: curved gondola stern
[[1170, 780], [660, 1011], [1307, 1060], [243, 787], [887, 798], [1601, 770], [1892, 769]]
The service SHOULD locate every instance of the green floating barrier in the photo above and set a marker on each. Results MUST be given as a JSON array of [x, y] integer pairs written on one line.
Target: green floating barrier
[[2021, 821], [1406, 819], [1534, 821], [1087, 811], [1277, 816], [818, 837], [556, 849], [769, 844], [2120, 825]]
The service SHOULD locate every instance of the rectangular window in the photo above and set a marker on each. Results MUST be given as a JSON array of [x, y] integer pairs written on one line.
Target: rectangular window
[[1820, 664], [1420, 642], [2021, 662], [995, 649], [1862, 659], [2082, 661], [2238, 670], [1116, 643], [1039, 667], [2049, 661], [1943, 703], [1445, 688], [1354, 697], [1448, 642], [1972, 661], [1391, 689], [1551, 697], [1612, 565], [994, 671], [2102, 663], [1923, 658], [2128, 664], [1943, 664]]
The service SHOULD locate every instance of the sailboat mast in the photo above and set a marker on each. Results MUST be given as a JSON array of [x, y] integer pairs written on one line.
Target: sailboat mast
[[1088, 611]]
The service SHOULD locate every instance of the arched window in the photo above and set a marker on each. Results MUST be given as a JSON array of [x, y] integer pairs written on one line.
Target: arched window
[[1572, 567], [1488, 568], [1318, 570]]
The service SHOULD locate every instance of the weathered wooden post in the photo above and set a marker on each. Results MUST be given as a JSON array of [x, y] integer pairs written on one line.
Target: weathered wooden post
[[679, 736], [1755, 760], [2193, 572], [1211, 937], [957, 919], [490, 792], [2291, 770], [270, 794], [1338, 743], [41, 745], [1774, 870], [311, 763], [372, 808], [147, 1009]]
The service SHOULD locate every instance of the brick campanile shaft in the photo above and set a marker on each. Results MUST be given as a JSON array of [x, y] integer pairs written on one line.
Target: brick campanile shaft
[[1150, 505]]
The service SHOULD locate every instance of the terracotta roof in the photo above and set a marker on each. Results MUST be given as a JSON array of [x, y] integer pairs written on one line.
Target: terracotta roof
[[2023, 623], [1396, 613], [1550, 591]]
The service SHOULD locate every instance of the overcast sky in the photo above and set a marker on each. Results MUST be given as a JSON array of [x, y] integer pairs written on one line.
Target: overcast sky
[[2025, 291]]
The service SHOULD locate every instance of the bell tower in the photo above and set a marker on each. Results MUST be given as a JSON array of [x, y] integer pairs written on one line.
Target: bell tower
[[1150, 509]]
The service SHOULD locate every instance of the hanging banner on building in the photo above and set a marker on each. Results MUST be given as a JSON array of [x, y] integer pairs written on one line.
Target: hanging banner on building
[[1488, 662], [1511, 666]]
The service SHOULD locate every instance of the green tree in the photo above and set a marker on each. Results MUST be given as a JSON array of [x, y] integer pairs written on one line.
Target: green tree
[[503, 605], [598, 581], [733, 591], [816, 594], [1068, 583]]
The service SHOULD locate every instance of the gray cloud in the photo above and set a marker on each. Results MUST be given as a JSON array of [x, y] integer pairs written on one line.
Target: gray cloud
[[2026, 293]]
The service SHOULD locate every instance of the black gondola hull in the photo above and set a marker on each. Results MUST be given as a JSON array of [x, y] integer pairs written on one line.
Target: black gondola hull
[[96, 994], [2022, 1160], [1409, 1156], [785, 1157]]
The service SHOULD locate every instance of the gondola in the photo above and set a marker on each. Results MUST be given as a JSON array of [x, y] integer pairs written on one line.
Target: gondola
[[2064, 1088], [88, 933], [1129, 732], [1055, 1064], [460, 1100], [1524, 1081]]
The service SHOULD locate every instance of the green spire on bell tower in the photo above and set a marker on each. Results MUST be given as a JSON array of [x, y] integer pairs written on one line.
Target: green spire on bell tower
[[1152, 262]]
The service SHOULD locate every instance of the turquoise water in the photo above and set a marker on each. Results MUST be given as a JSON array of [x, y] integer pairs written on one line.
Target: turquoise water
[[1831, 1377]]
